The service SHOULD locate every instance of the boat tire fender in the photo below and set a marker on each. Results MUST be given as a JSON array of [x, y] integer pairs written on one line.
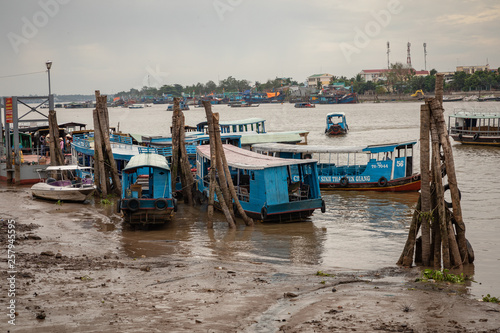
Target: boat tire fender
[[460, 137], [119, 205], [175, 205], [476, 136], [470, 252], [344, 181], [335, 129], [133, 204], [382, 182], [415, 177], [263, 213], [449, 204], [323, 206], [161, 204]]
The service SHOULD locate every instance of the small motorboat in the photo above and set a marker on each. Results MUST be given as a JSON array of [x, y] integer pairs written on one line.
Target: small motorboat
[[304, 105], [68, 184]]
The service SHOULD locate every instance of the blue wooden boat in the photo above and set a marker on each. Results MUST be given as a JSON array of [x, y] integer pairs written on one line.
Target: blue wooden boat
[[385, 167], [336, 124], [253, 131], [182, 105], [147, 190], [304, 105], [264, 184]]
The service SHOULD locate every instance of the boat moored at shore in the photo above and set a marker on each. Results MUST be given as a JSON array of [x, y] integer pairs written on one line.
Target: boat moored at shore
[[264, 185], [385, 167], [70, 186], [147, 190]]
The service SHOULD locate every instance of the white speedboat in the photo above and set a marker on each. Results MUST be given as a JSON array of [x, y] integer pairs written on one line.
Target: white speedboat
[[70, 186]]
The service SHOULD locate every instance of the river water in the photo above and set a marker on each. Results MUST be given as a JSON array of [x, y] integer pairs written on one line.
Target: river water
[[360, 230]]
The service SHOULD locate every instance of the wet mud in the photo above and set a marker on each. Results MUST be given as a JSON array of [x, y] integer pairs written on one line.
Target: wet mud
[[79, 269]]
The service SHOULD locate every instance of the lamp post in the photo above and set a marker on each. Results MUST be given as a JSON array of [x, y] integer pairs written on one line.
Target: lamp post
[[51, 99]]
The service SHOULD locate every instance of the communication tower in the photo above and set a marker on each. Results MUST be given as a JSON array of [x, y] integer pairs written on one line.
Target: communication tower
[[408, 56], [425, 56], [388, 51]]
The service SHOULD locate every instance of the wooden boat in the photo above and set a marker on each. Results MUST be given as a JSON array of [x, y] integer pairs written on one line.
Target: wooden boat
[[264, 184], [304, 105], [75, 188], [386, 167], [243, 104], [253, 131], [136, 106], [453, 99], [147, 190], [475, 128], [336, 124], [183, 106]]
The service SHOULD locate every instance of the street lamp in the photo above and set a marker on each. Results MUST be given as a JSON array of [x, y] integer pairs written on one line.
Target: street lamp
[[51, 100]]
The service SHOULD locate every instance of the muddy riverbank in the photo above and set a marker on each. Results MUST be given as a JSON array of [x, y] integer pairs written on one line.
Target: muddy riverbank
[[72, 276]]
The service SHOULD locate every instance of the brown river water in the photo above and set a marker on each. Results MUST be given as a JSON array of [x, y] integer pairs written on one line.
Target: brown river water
[[360, 230]]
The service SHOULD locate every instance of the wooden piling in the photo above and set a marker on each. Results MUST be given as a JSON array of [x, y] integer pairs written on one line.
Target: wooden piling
[[222, 156], [444, 238], [425, 211]]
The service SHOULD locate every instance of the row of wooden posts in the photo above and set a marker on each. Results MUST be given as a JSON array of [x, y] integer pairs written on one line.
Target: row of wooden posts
[[221, 182], [442, 242]]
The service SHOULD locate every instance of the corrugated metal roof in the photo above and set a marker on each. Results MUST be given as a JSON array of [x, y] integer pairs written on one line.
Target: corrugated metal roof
[[143, 160], [241, 121], [245, 159], [476, 115]]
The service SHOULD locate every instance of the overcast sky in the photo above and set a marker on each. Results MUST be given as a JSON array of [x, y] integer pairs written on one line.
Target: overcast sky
[[116, 45]]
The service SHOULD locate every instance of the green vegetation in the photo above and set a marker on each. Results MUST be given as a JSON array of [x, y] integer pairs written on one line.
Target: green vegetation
[[226, 85], [106, 202], [399, 79], [59, 203], [488, 298], [320, 273], [430, 274]]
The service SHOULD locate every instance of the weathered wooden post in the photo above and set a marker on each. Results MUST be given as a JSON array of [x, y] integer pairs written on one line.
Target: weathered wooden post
[[448, 246], [180, 161], [214, 161], [425, 190], [232, 190]]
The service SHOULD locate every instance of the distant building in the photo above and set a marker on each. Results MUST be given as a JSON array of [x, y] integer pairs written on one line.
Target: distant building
[[473, 69], [381, 74], [373, 74], [323, 79]]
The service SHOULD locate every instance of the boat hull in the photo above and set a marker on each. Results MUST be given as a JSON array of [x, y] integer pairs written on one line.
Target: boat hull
[[407, 184], [44, 191], [493, 141], [285, 212], [147, 211]]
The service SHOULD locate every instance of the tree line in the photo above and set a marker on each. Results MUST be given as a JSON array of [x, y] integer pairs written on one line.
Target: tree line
[[229, 84], [399, 79]]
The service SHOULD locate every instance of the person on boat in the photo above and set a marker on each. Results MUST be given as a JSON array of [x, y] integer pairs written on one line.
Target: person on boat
[[61, 144], [42, 145], [47, 144]]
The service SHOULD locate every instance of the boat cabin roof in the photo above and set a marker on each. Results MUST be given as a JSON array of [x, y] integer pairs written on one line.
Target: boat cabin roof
[[336, 114], [244, 159], [476, 115], [146, 160], [65, 168], [310, 149]]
